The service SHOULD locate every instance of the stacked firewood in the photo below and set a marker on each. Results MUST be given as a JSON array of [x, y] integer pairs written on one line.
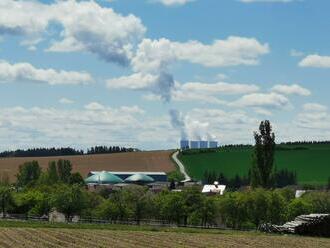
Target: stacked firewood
[[311, 225]]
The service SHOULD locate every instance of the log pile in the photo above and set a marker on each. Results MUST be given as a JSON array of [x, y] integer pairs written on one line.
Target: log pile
[[311, 225]]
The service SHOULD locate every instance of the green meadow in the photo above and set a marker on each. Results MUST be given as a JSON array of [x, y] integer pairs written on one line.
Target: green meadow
[[310, 162]]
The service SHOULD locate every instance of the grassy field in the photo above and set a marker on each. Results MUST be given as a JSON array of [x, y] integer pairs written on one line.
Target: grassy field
[[132, 161], [38, 235], [312, 164]]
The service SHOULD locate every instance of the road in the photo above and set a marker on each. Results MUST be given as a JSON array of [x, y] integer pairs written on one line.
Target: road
[[181, 166]]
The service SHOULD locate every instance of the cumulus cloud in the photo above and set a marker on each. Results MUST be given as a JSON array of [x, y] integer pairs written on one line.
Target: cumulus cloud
[[315, 61], [293, 89], [315, 107], [267, 1], [21, 127], [229, 52], [210, 92], [65, 100], [264, 100], [173, 2], [160, 84], [22, 72], [153, 58], [314, 116], [111, 36], [94, 106]]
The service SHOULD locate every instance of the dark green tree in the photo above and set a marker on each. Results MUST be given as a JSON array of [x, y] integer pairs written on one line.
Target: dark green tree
[[76, 178], [328, 186], [6, 198], [52, 175], [69, 200], [28, 173], [64, 168], [262, 172]]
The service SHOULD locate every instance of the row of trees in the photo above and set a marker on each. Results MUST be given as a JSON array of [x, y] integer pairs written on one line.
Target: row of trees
[[108, 149], [42, 152], [46, 152], [282, 178], [31, 174], [235, 209]]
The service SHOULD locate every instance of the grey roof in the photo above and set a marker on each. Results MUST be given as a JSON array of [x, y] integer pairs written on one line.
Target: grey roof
[[139, 178], [132, 172], [104, 178]]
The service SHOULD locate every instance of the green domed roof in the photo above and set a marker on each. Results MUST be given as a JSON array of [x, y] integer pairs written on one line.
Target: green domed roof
[[139, 178], [104, 178]]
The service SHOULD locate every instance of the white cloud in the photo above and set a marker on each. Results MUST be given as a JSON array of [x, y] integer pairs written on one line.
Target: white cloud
[[65, 100], [230, 52], [314, 107], [219, 88], [173, 2], [264, 100], [34, 127], [210, 92], [314, 116], [293, 89], [154, 54], [153, 58], [94, 106], [111, 35], [160, 84], [21, 72], [316, 61], [267, 1]]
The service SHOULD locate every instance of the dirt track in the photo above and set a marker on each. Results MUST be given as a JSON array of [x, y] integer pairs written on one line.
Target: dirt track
[[136, 161]]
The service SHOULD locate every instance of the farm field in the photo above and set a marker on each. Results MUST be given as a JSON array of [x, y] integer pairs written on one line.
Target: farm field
[[131, 161], [312, 164], [61, 237]]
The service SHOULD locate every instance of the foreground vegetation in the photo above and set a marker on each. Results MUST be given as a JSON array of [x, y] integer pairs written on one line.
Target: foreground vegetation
[[311, 162], [45, 237]]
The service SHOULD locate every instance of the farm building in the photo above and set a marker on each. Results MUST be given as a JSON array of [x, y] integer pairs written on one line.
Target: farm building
[[123, 175], [214, 189], [103, 178]]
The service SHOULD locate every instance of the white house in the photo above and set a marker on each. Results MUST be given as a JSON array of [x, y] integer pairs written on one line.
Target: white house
[[214, 189]]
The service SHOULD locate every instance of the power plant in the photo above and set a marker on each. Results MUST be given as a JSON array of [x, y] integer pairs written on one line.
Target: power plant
[[194, 144]]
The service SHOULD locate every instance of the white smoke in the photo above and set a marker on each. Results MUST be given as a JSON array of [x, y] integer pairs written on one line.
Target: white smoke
[[177, 121], [190, 129]]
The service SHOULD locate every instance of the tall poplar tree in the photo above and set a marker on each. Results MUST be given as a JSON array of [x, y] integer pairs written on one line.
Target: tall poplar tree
[[262, 172]]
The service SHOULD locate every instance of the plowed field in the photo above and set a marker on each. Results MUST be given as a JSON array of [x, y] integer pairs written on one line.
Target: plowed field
[[55, 237], [132, 161]]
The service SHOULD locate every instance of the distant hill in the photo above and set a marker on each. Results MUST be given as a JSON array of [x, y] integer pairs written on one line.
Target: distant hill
[[130, 161], [311, 161]]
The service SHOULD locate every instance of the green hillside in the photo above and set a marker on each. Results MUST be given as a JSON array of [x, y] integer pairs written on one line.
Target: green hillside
[[311, 162]]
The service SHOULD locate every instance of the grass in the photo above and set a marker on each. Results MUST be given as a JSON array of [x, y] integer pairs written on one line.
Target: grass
[[36, 234], [311, 162]]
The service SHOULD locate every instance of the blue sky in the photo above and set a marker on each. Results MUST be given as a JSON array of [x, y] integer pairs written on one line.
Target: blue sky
[[145, 73]]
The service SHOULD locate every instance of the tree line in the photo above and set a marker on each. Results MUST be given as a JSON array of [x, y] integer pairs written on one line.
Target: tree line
[[282, 178], [247, 209], [108, 149], [64, 151]]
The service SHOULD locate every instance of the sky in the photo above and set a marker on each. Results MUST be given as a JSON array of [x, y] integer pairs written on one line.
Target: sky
[[146, 73]]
